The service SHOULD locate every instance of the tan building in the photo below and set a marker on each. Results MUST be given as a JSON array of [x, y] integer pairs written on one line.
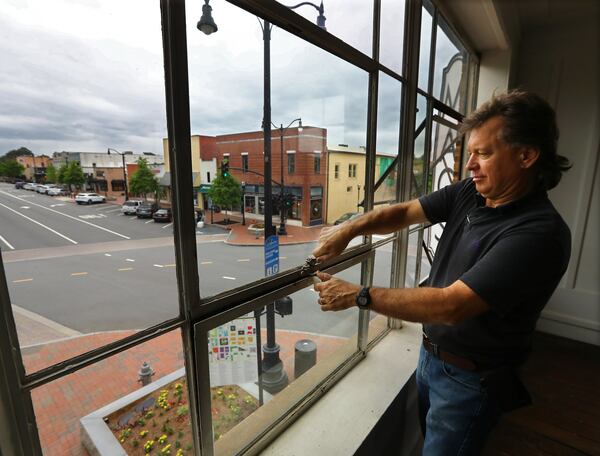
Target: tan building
[[346, 178], [204, 167], [35, 167]]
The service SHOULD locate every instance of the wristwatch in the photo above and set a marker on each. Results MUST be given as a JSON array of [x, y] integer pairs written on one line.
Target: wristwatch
[[363, 298]]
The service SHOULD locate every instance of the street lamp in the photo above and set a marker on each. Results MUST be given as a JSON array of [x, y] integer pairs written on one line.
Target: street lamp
[[124, 172], [206, 24], [282, 131], [274, 378]]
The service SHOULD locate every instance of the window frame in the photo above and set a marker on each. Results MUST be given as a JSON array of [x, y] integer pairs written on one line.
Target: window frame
[[193, 310]]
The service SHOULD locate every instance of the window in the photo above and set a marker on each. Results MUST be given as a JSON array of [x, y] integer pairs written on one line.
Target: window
[[117, 185], [179, 286], [352, 170]]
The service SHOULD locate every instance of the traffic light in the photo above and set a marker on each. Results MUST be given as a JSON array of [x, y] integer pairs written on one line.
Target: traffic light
[[225, 167], [289, 200]]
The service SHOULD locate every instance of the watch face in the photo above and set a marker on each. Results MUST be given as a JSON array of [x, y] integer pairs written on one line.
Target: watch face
[[362, 300]]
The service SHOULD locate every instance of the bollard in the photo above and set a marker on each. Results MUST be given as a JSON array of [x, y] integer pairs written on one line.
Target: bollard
[[305, 356]]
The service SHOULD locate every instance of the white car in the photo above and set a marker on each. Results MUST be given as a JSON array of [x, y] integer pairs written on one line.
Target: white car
[[29, 186], [130, 207], [89, 198], [56, 191]]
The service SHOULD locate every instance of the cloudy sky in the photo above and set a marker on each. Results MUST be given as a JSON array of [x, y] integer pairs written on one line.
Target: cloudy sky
[[85, 75]]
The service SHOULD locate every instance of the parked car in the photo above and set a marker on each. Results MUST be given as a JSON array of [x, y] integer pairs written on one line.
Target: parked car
[[162, 215], [145, 210], [19, 184], [30, 186], [347, 216], [89, 198], [129, 207], [57, 191]]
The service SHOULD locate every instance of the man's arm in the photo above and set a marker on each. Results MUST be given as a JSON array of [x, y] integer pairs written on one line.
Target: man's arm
[[333, 240], [447, 306]]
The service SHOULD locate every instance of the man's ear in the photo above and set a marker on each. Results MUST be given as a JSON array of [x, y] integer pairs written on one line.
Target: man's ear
[[528, 156]]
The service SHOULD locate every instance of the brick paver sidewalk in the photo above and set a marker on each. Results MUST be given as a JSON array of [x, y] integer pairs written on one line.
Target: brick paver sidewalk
[[59, 405]]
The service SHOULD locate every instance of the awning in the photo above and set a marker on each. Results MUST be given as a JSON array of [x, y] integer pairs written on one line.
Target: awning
[[204, 188]]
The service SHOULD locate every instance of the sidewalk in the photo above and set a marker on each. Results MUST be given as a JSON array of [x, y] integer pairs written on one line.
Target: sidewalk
[[241, 234], [59, 405]]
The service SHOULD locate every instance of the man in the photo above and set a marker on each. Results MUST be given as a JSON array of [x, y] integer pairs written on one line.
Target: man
[[503, 251]]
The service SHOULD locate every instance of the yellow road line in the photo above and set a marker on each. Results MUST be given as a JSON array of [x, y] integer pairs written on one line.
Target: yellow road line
[[170, 265], [244, 259], [22, 280], [125, 269], [79, 273], [206, 262]]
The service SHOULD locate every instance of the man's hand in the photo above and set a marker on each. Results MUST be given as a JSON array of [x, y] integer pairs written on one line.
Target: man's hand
[[332, 241], [335, 294]]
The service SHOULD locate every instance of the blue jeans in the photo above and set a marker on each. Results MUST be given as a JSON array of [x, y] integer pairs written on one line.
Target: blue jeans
[[456, 411]]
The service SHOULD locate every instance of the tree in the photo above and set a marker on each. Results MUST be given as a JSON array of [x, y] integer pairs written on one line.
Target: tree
[[11, 168], [71, 174], [143, 181], [12, 154], [51, 174], [225, 191]]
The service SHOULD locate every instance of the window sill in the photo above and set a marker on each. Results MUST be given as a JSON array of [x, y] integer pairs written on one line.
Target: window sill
[[340, 421]]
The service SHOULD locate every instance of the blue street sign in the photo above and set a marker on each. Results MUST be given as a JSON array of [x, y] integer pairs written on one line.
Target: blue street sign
[[271, 255]]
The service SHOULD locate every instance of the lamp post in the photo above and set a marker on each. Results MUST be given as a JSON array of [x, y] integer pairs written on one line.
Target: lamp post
[[282, 131], [243, 203], [124, 172], [273, 376]]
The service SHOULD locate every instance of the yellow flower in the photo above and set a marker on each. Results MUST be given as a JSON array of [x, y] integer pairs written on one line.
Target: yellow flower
[[162, 439], [143, 433]]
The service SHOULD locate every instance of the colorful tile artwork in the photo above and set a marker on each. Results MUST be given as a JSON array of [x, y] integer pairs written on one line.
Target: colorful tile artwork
[[232, 353], [232, 341]]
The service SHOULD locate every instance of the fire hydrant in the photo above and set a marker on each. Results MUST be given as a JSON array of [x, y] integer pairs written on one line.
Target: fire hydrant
[[145, 374]]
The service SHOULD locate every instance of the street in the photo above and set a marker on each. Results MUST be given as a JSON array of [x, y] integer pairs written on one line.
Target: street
[[91, 269]]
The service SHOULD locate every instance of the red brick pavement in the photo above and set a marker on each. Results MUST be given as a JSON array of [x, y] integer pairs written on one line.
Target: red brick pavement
[[60, 404]]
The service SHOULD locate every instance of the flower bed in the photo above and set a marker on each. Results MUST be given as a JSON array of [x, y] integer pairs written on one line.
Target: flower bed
[[159, 423]]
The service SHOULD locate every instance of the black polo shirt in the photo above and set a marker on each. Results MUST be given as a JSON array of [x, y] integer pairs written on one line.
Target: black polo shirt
[[513, 256]]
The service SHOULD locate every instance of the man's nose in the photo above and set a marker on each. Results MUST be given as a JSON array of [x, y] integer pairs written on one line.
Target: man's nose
[[472, 162]]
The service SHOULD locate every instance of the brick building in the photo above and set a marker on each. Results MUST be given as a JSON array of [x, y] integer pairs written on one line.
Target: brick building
[[304, 170]]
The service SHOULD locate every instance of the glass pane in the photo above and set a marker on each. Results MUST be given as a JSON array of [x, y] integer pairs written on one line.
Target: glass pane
[[425, 48], [349, 20], [388, 133], [317, 102], [392, 34], [119, 404], [450, 75], [444, 162], [304, 347], [78, 274]]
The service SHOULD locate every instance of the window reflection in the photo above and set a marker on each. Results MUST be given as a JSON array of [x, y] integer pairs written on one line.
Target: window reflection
[[449, 81]]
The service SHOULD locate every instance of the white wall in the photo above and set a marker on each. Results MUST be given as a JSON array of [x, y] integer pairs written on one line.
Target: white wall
[[562, 66]]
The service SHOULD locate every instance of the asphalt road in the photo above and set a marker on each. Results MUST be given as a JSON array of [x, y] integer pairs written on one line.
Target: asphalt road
[[90, 268]]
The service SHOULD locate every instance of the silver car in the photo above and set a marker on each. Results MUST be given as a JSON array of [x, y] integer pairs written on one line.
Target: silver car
[[130, 207]]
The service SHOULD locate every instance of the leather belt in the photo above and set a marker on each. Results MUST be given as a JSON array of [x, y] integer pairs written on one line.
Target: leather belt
[[450, 358]]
